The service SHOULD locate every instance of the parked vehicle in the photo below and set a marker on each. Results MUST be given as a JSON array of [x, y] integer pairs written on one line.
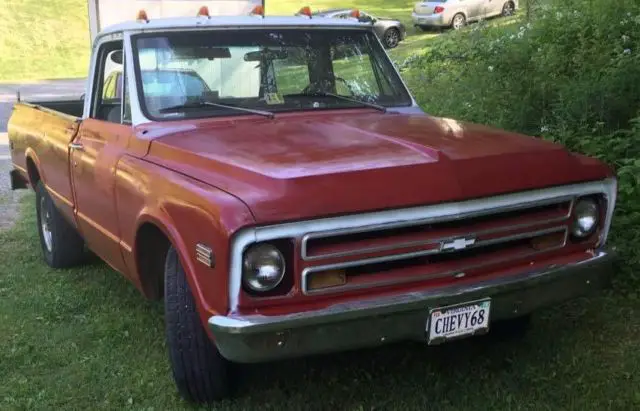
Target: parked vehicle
[[304, 203], [390, 31], [457, 13]]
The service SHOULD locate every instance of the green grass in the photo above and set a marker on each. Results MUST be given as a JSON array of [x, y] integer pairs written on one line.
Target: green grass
[[43, 39], [85, 339]]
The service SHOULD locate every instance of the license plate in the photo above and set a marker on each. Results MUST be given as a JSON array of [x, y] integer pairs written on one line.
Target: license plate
[[456, 321]]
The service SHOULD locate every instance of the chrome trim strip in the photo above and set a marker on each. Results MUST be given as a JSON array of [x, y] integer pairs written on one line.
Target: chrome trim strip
[[247, 236], [310, 270], [313, 236]]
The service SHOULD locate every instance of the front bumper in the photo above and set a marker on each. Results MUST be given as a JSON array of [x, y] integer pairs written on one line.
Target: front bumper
[[365, 323], [431, 20]]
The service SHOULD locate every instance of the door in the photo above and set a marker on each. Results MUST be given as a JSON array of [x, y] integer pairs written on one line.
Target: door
[[494, 7], [95, 151], [474, 9]]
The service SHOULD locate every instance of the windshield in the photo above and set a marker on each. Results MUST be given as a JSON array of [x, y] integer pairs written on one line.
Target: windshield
[[271, 70]]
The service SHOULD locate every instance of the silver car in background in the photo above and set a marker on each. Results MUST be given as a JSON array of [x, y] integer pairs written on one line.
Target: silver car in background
[[390, 31], [457, 13]]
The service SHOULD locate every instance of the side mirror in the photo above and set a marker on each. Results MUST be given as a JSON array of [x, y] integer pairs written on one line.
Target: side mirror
[[117, 57], [82, 96]]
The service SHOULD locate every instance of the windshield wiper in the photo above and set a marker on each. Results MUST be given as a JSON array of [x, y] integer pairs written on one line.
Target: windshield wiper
[[345, 98], [204, 103]]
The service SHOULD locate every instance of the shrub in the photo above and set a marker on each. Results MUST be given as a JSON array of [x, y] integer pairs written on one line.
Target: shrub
[[572, 74]]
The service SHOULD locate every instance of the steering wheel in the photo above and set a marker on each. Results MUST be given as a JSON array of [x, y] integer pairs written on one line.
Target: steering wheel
[[322, 85]]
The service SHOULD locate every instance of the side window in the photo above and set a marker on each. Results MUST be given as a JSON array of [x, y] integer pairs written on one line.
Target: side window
[[108, 84]]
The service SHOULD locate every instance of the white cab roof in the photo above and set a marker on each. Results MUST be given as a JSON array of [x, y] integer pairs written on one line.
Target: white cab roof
[[229, 21]]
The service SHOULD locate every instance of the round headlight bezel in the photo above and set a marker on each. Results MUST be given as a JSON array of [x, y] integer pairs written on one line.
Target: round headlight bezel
[[259, 255], [585, 209]]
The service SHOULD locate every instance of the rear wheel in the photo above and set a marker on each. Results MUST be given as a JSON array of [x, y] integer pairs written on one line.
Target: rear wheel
[[508, 9], [62, 246], [199, 371], [391, 38], [459, 21]]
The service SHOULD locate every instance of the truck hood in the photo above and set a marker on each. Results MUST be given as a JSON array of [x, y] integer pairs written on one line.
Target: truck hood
[[312, 165]]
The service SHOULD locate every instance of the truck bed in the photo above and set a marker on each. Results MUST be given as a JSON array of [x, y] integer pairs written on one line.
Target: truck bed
[[70, 107], [39, 135]]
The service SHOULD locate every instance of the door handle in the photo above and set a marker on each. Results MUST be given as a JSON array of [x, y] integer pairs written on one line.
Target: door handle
[[76, 146]]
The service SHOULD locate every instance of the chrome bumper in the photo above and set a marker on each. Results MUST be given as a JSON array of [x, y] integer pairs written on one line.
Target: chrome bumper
[[363, 323]]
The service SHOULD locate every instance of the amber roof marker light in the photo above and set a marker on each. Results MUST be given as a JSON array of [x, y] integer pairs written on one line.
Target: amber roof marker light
[[203, 12], [258, 11], [305, 11], [142, 17]]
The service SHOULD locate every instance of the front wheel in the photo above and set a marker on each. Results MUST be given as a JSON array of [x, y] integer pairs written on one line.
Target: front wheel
[[62, 246], [459, 21], [391, 38], [199, 370]]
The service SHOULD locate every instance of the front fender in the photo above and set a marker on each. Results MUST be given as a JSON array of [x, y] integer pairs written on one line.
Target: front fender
[[188, 212]]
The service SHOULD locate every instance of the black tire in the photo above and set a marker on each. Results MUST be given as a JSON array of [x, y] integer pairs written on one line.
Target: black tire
[[508, 9], [458, 21], [62, 246], [199, 371], [513, 328], [391, 38]]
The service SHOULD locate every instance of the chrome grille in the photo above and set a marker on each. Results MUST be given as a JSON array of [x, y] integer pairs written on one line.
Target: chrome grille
[[493, 237]]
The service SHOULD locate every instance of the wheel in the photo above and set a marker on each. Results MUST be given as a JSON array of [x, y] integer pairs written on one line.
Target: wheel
[[508, 9], [391, 38], [513, 328], [199, 370], [459, 21], [62, 246]]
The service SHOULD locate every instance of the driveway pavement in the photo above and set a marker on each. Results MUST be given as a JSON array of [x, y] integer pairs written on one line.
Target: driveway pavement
[[42, 90]]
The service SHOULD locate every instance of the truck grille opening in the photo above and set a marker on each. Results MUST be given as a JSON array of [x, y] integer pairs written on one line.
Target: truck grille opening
[[430, 250]]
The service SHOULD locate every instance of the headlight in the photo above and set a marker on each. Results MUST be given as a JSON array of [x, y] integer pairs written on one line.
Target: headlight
[[586, 216], [263, 267]]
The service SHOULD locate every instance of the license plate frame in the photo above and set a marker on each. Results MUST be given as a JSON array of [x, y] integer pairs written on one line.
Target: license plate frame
[[458, 312]]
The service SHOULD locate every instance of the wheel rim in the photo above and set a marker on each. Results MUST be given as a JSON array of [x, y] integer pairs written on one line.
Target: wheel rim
[[45, 224], [392, 38], [458, 21], [507, 10]]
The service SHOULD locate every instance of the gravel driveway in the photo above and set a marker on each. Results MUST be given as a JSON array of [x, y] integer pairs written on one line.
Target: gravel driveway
[[43, 90]]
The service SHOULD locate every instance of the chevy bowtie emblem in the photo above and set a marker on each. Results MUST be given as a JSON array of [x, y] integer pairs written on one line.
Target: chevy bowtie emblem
[[457, 244]]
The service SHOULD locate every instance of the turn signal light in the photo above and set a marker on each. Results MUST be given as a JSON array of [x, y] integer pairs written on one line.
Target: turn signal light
[[326, 279], [258, 11], [438, 9], [142, 16], [203, 12], [305, 11], [547, 242]]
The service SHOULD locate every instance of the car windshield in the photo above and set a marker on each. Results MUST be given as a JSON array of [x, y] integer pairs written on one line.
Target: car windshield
[[270, 70]]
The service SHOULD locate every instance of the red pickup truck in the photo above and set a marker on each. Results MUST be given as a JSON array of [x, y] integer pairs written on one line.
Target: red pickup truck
[[274, 181]]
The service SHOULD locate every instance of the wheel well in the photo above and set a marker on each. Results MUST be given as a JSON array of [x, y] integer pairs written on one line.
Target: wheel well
[[32, 171], [152, 246]]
